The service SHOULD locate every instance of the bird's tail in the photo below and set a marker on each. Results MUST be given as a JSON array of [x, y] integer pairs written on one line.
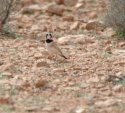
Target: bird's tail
[[64, 56]]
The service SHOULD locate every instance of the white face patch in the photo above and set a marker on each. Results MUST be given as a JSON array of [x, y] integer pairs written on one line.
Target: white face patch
[[49, 36]]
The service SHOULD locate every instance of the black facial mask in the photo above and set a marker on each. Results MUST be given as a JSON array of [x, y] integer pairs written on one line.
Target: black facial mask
[[49, 40]]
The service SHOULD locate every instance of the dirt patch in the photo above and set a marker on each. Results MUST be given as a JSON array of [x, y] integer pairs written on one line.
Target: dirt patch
[[92, 79]]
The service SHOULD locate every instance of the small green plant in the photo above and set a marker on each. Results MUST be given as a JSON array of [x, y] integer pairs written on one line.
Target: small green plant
[[120, 33], [13, 91], [2, 76], [8, 31], [7, 108], [120, 81]]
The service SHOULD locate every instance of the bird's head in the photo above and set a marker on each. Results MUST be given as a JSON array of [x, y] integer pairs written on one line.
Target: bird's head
[[49, 36]]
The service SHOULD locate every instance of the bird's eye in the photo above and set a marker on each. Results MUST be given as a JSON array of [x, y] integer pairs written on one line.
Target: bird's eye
[[50, 35], [46, 35]]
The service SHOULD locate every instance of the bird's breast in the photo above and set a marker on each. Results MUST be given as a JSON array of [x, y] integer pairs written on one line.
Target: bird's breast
[[49, 40]]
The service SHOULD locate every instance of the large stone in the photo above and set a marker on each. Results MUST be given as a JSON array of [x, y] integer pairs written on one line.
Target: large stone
[[70, 39], [118, 88], [76, 39], [6, 67], [32, 9], [59, 1], [106, 103], [68, 18], [95, 25], [70, 2], [42, 63], [4, 100], [7, 74], [80, 4], [64, 40], [40, 83], [55, 9], [74, 26], [84, 40]]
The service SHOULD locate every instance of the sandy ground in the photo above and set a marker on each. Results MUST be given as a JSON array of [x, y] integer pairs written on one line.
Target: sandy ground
[[91, 80]]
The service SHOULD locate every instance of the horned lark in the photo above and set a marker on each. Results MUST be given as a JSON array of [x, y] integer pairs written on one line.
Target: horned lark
[[52, 47]]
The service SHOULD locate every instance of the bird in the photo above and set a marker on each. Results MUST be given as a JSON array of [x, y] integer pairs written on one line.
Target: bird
[[52, 46]]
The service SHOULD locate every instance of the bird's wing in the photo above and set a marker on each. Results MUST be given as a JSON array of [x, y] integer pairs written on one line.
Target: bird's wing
[[54, 44]]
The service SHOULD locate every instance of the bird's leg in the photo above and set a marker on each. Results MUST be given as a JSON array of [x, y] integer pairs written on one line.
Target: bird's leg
[[55, 57], [50, 56]]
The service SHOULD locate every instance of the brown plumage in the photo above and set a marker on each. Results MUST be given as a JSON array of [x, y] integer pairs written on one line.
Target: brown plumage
[[52, 46]]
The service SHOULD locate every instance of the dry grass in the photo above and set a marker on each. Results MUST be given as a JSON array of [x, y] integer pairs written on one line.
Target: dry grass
[[115, 16], [5, 10]]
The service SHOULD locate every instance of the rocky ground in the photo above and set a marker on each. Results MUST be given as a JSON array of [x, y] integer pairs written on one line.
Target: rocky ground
[[92, 80]]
